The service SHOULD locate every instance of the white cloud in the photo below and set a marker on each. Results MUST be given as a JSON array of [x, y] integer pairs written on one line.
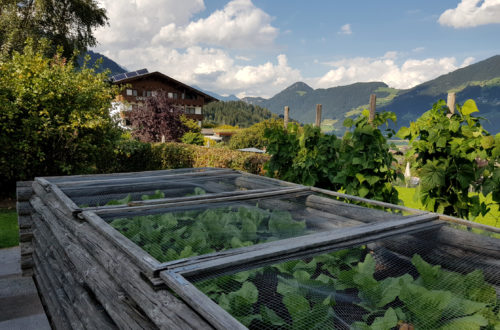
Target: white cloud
[[213, 69], [345, 29], [239, 25], [406, 75], [134, 23], [470, 13]]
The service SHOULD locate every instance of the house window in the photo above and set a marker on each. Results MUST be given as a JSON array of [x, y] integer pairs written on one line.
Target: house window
[[175, 95], [149, 93], [190, 110], [131, 92], [170, 95]]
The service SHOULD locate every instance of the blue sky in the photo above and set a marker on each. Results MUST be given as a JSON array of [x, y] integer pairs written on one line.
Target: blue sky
[[259, 47]]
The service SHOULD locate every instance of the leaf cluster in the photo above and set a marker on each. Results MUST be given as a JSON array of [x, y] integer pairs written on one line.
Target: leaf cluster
[[309, 291], [54, 119], [171, 236], [359, 164], [455, 155], [157, 118]]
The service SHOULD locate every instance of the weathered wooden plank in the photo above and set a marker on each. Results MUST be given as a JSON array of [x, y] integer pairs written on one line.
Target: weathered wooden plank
[[110, 211], [293, 245], [143, 260], [450, 257], [351, 211], [25, 234], [24, 221], [56, 315], [178, 199], [470, 241], [26, 248], [161, 307], [23, 208], [89, 177], [89, 310], [368, 201], [65, 303], [105, 287], [66, 202], [469, 223], [23, 190], [140, 178], [214, 314], [26, 262]]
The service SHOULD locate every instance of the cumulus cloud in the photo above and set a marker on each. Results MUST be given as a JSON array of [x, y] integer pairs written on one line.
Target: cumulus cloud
[[409, 73], [345, 29], [134, 23], [239, 25], [470, 13]]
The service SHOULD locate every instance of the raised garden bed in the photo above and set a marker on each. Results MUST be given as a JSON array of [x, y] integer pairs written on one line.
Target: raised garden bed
[[216, 248]]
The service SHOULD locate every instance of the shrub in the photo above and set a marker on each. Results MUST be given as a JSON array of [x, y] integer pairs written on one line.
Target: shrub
[[450, 149], [253, 136], [193, 138], [54, 119], [173, 155], [360, 164], [129, 156]]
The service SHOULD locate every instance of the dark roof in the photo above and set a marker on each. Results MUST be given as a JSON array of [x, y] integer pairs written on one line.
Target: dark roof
[[130, 77]]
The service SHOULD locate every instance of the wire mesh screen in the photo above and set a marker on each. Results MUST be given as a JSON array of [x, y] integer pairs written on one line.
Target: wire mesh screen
[[125, 190], [196, 229], [427, 280]]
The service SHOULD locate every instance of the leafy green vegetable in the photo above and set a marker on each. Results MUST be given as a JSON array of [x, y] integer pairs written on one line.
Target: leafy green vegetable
[[157, 195], [172, 236]]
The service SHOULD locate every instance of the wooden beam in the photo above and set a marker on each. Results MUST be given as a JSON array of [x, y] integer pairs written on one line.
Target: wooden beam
[[318, 115], [287, 247], [200, 302], [164, 205], [141, 178], [451, 102], [286, 118], [368, 201], [373, 105]]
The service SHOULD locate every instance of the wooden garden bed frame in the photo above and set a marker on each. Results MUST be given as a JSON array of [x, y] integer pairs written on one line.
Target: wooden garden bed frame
[[62, 241]]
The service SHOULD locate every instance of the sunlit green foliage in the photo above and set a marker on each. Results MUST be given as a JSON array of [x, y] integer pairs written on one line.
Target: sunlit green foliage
[[54, 119], [451, 149]]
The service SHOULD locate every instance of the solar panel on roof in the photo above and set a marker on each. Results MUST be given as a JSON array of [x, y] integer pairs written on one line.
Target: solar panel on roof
[[131, 74], [142, 71], [118, 77]]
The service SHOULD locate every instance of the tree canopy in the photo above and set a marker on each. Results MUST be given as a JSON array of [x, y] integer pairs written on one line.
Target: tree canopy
[[54, 119], [66, 23], [157, 118]]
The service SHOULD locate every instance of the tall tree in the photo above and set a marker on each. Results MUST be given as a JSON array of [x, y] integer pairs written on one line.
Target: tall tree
[[66, 23]]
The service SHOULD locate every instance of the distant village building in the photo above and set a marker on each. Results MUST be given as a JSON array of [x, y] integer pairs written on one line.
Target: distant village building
[[142, 84]]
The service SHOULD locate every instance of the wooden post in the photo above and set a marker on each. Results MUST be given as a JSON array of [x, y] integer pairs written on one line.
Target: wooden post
[[451, 102], [373, 102], [285, 118], [318, 115]]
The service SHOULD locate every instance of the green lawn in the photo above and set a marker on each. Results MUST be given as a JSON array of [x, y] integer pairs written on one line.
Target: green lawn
[[491, 219], [9, 232]]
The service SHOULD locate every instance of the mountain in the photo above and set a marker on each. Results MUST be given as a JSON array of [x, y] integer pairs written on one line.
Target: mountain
[[336, 101], [479, 81], [218, 96], [107, 63]]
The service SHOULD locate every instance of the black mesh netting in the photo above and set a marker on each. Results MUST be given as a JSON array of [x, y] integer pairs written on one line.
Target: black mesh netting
[[196, 229], [442, 278], [120, 191]]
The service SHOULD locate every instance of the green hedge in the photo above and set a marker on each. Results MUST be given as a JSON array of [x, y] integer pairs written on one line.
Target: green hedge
[[131, 155]]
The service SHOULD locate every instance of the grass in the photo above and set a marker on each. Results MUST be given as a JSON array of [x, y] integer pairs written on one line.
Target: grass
[[492, 218], [9, 232]]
